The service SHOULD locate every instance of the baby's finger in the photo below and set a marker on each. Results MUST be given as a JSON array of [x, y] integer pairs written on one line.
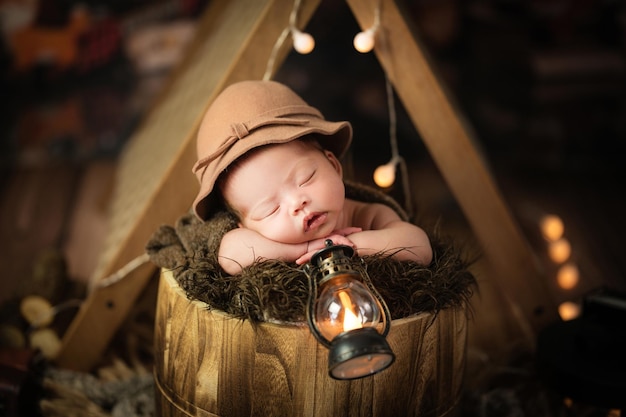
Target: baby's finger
[[304, 258], [317, 245], [341, 240]]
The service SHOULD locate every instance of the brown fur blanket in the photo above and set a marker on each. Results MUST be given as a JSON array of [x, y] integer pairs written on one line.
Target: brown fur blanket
[[276, 291]]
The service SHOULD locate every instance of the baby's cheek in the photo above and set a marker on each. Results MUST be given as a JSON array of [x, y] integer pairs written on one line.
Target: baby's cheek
[[284, 231]]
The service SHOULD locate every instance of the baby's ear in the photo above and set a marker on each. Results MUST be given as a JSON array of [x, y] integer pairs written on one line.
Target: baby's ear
[[334, 161]]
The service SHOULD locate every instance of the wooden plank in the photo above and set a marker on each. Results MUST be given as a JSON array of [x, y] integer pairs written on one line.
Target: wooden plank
[[155, 184], [454, 150]]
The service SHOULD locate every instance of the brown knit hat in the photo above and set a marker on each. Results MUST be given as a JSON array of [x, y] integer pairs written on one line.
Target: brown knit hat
[[248, 114]]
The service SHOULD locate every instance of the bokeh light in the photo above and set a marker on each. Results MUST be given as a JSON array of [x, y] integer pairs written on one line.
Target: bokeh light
[[560, 250], [364, 41], [569, 310], [552, 227], [385, 175], [303, 42], [568, 276]]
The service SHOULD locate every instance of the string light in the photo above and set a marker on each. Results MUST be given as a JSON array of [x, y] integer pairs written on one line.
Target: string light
[[303, 42], [559, 251], [123, 271], [47, 314], [385, 175], [364, 41], [40, 314]]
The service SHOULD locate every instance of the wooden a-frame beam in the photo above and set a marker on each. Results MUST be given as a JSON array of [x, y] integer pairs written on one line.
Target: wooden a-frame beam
[[454, 150], [154, 183]]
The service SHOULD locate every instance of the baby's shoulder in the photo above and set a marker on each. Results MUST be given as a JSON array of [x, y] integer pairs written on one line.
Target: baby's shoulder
[[365, 215]]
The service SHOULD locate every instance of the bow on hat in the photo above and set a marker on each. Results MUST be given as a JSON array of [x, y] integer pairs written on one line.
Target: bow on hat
[[240, 130]]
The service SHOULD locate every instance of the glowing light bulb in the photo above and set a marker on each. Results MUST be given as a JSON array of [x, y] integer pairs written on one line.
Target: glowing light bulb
[[568, 275], [552, 227], [385, 175], [569, 310], [302, 42], [559, 250], [364, 41]]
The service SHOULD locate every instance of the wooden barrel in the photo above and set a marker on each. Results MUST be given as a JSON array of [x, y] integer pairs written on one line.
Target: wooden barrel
[[210, 364]]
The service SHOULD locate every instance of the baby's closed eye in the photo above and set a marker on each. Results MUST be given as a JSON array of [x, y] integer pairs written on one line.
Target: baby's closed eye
[[306, 179], [264, 212]]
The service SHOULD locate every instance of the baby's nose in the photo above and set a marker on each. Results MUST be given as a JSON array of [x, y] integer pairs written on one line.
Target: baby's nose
[[298, 203]]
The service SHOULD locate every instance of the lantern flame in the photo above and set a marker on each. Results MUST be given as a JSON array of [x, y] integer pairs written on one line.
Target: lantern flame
[[350, 320]]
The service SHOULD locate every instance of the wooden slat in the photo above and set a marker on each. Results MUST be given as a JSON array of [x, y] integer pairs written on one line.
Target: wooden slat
[[155, 184], [456, 153]]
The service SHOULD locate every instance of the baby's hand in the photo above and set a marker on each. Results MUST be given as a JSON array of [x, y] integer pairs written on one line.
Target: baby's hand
[[338, 237]]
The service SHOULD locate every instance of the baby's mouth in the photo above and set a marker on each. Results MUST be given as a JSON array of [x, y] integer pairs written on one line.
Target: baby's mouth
[[313, 221]]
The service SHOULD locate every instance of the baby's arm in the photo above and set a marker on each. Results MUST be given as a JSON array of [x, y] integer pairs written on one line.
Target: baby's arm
[[403, 240], [384, 231], [241, 247]]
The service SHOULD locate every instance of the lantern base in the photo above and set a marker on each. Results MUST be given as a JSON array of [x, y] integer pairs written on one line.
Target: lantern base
[[359, 353]]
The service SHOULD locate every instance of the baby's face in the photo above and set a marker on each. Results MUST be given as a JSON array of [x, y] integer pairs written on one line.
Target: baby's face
[[289, 193]]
